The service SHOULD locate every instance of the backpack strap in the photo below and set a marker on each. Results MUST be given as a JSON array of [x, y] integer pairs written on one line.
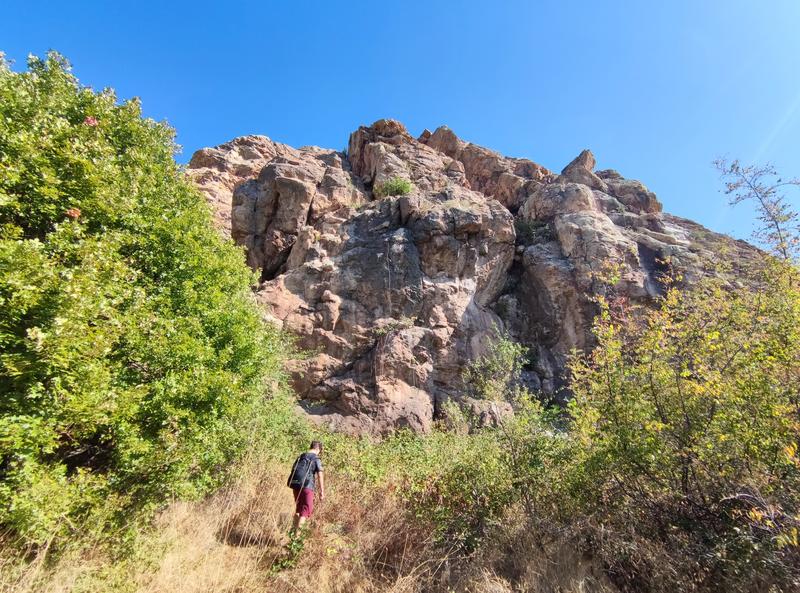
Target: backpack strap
[[310, 458]]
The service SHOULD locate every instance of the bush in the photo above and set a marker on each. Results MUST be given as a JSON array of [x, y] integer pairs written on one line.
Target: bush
[[686, 432], [532, 231], [497, 375], [396, 186], [131, 353], [677, 463]]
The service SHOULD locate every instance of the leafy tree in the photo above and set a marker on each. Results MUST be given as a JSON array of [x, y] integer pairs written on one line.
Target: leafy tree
[[779, 226], [131, 354]]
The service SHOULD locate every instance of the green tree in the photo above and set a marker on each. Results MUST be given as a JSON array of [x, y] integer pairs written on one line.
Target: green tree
[[778, 223], [131, 353]]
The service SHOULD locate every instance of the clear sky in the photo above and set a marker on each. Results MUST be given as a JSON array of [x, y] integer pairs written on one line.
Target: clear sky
[[656, 89]]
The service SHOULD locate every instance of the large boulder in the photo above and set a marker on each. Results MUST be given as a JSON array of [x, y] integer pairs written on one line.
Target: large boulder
[[581, 170]]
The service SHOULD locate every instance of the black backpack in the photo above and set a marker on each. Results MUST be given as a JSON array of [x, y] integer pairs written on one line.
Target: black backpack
[[302, 469]]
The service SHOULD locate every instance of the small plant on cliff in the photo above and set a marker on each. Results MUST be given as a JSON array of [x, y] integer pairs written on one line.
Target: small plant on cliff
[[495, 375], [131, 352], [532, 231], [396, 186]]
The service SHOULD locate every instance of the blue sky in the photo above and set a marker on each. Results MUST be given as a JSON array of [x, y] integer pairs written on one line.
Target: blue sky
[[656, 89]]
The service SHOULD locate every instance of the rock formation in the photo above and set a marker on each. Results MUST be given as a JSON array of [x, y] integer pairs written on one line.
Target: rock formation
[[392, 297]]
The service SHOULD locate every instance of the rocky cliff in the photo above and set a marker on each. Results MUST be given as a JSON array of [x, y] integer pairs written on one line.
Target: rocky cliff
[[392, 296]]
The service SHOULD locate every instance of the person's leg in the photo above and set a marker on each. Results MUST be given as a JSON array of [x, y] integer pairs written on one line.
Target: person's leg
[[297, 508], [305, 506]]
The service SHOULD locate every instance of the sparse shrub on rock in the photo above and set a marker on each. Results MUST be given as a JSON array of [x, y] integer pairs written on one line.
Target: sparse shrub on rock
[[396, 186]]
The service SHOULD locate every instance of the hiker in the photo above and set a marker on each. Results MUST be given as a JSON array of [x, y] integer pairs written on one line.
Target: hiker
[[306, 473]]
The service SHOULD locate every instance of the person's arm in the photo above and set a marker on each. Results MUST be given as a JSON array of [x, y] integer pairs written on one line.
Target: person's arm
[[321, 484], [320, 478]]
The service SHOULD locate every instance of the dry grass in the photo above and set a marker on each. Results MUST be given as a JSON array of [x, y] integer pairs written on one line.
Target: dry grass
[[73, 572], [521, 558], [361, 540]]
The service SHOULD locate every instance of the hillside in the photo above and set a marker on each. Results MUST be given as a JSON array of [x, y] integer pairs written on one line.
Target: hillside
[[395, 292], [410, 294]]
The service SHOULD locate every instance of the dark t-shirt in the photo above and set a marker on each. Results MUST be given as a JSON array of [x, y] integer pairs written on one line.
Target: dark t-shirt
[[316, 467]]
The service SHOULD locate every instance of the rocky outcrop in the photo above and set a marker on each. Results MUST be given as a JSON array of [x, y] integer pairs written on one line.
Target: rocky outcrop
[[392, 297], [507, 180], [291, 195], [217, 171]]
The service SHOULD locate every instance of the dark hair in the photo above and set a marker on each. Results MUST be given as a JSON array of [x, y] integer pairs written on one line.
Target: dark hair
[[316, 445]]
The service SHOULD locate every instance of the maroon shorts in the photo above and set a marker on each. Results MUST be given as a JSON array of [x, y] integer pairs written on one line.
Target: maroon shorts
[[305, 501]]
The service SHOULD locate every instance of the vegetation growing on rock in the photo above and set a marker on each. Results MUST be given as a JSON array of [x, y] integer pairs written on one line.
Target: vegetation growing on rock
[[396, 186]]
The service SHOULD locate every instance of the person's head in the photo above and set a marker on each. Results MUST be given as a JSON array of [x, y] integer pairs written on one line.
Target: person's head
[[316, 446]]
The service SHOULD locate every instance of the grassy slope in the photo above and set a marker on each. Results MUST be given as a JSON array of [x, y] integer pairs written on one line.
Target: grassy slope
[[363, 539]]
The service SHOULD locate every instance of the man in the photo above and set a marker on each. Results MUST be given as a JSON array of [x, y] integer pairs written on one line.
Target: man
[[306, 473]]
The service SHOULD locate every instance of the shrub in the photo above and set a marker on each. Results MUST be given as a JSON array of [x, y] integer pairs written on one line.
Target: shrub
[[686, 431], [396, 186], [464, 487], [496, 375], [131, 353], [532, 231]]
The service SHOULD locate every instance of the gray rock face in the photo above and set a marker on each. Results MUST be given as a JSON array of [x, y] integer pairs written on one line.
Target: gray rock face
[[392, 297]]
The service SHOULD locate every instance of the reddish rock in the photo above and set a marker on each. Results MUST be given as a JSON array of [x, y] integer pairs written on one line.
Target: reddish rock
[[393, 297]]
